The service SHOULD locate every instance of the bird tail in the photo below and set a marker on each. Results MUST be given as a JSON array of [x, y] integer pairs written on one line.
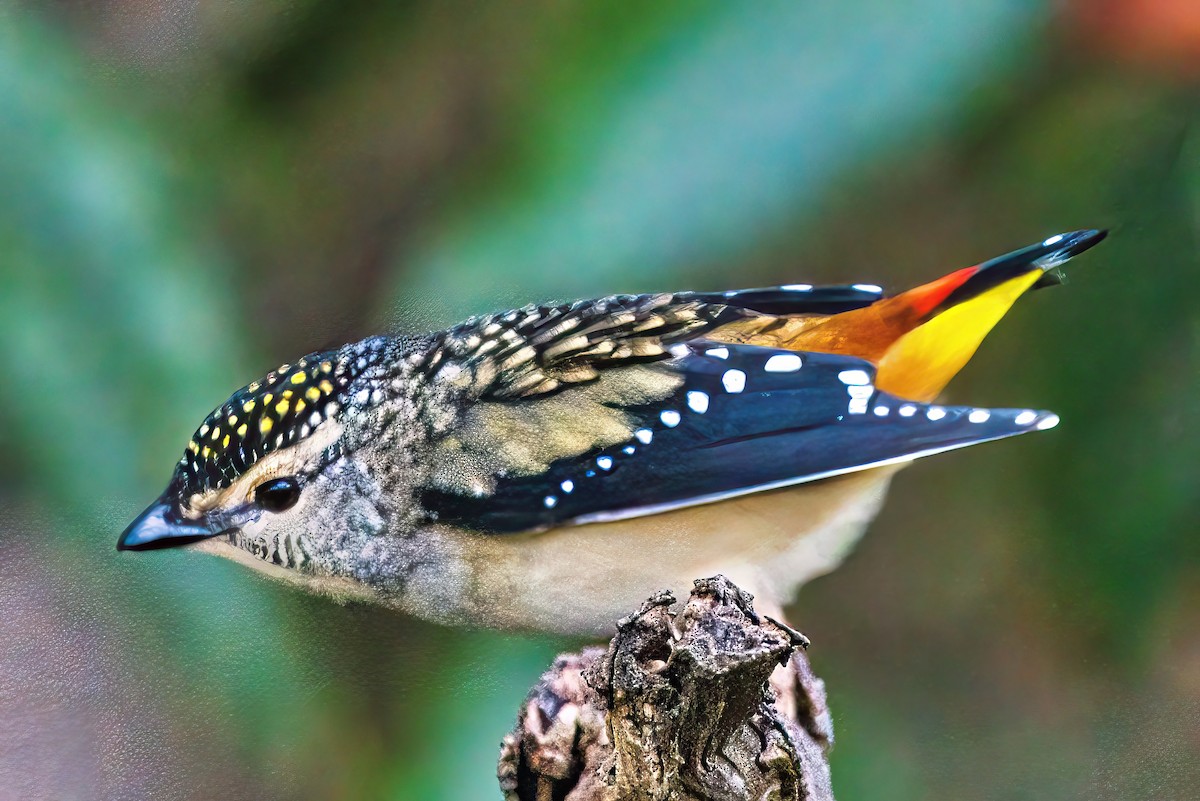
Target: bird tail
[[921, 338]]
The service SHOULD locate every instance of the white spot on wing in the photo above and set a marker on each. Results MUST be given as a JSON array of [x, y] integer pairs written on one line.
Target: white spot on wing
[[1054, 240], [644, 435], [1049, 421], [908, 410], [867, 288], [861, 392], [550, 501], [568, 486], [881, 411], [783, 363], [604, 462], [857, 406], [854, 377], [697, 401], [935, 413], [734, 381], [670, 418], [1025, 418], [717, 353], [979, 416], [797, 287]]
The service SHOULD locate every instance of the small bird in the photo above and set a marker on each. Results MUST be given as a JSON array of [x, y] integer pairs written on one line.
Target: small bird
[[552, 466]]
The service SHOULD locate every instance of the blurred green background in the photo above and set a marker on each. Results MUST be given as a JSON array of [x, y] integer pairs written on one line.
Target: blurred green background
[[191, 193]]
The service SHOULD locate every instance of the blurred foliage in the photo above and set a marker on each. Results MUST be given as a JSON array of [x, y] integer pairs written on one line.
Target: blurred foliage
[[193, 193]]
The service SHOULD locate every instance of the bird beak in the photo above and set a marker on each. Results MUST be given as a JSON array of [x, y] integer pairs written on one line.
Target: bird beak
[[160, 527]]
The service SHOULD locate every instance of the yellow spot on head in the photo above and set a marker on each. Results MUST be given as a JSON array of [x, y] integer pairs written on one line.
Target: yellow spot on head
[[264, 425], [281, 408], [247, 406], [313, 394], [298, 378], [326, 387], [241, 432]]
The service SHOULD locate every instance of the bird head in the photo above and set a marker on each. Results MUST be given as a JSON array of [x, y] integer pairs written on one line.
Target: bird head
[[283, 469]]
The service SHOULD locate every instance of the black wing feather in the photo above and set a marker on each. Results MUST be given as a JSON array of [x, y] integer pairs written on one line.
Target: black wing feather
[[745, 419]]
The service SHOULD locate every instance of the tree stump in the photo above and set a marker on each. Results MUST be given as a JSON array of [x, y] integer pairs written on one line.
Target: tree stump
[[711, 701]]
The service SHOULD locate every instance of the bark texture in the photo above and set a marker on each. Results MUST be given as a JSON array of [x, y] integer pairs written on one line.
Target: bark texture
[[701, 702]]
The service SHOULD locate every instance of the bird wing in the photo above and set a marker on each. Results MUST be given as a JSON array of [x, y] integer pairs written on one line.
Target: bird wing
[[732, 419], [541, 349]]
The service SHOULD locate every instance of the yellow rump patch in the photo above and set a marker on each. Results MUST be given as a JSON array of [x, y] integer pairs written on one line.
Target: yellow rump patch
[[920, 363]]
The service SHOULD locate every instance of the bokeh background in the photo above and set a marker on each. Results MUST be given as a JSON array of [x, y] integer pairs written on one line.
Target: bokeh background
[[193, 192]]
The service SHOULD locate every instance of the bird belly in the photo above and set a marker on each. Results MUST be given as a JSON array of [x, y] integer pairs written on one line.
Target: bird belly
[[581, 579]]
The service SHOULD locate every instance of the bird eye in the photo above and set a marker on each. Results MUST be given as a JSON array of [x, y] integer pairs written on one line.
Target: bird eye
[[277, 494]]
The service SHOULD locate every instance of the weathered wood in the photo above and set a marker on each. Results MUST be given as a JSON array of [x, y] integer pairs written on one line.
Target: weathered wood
[[708, 702]]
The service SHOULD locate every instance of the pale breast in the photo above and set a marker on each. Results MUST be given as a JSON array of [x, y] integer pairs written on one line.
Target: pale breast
[[581, 579]]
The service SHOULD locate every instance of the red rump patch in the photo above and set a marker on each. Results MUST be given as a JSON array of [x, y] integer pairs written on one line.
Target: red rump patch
[[927, 297]]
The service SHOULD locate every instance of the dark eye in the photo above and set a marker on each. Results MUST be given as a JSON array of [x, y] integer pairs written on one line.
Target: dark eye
[[277, 494]]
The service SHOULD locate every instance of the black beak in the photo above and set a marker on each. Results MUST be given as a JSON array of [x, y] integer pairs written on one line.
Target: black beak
[[159, 527]]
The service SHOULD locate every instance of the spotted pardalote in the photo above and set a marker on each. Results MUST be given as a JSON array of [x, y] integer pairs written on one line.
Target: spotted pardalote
[[551, 466]]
